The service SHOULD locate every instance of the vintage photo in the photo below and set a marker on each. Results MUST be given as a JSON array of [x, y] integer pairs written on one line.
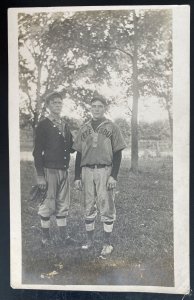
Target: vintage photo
[[99, 148]]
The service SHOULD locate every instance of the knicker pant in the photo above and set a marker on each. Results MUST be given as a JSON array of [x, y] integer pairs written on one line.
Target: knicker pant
[[57, 201], [96, 196]]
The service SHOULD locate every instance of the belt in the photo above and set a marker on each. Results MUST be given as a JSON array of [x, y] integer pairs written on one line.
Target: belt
[[98, 166]]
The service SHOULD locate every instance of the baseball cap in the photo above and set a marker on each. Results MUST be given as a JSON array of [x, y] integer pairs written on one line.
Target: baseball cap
[[51, 96], [99, 98]]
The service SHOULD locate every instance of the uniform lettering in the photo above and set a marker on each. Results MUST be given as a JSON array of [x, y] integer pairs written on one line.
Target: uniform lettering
[[101, 130], [85, 134], [105, 132]]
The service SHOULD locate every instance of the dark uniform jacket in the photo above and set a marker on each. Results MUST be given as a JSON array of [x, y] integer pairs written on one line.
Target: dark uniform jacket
[[52, 146]]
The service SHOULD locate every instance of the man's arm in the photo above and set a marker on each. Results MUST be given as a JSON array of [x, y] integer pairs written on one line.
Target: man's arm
[[78, 168], [70, 139], [112, 180], [118, 144], [116, 164]]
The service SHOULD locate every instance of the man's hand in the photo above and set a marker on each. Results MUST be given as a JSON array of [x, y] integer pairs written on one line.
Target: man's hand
[[41, 182], [111, 183], [78, 184]]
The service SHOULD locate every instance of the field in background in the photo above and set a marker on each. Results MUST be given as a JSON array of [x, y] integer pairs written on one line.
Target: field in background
[[142, 237], [148, 148]]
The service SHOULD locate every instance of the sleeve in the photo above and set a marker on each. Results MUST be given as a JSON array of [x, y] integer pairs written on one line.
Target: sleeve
[[38, 150], [116, 164], [71, 143], [70, 138], [78, 168], [77, 145], [118, 142]]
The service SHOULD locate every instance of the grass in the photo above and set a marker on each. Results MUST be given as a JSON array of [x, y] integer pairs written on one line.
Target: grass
[[142, 236]]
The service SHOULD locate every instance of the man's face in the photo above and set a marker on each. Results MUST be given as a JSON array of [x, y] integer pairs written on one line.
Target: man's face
[[55, 105], [97, 109]]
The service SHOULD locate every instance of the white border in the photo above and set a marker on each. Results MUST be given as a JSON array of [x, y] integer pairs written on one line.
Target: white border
[[14, 155], [181, 35], [181, 108]]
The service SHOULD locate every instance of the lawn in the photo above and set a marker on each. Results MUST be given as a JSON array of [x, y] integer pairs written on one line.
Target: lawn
[[142, 237]]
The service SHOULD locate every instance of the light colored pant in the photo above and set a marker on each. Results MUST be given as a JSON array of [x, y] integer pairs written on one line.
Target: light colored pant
[[96, 196], [57, 201]]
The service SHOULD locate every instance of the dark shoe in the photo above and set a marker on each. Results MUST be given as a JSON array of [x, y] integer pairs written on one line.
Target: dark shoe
[[46, 242], [45, 237], [69, 241]]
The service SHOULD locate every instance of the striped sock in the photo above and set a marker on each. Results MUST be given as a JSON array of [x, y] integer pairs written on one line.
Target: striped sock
[[108, 227]]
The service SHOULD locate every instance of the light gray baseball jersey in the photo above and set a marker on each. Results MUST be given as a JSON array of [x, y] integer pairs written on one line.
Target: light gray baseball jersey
[[97, 147]]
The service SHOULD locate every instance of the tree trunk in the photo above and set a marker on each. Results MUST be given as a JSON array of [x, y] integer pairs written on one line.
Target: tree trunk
[[38, 99], [134, 119], [34, 135], [168, 106]]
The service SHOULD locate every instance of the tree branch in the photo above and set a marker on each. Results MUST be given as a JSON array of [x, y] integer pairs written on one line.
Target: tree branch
[[105, 48], [130, 110], [123, 51], [32, 54], [30, 102]]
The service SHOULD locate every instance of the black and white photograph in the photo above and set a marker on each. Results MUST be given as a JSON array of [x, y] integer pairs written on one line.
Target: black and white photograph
[[99, 148]]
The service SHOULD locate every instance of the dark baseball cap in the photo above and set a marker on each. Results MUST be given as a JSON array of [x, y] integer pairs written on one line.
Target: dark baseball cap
[[99, 98], [52, 96]]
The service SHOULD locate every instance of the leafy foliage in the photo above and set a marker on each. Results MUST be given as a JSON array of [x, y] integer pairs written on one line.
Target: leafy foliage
[[80, 52]]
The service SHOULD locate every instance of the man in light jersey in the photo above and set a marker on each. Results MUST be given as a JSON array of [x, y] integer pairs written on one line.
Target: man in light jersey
[[99, 146]]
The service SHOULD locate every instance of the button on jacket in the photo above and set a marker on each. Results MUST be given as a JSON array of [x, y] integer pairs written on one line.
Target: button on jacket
[[52, 146]]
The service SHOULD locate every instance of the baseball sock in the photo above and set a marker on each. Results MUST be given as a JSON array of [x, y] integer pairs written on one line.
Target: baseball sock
[[90, 229], [45, 224], [63, 232], [90, 235], [108, 227], [45, 233], [62, 225]]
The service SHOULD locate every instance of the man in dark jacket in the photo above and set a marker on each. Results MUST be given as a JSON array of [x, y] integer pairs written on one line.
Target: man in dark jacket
[[53, 145]]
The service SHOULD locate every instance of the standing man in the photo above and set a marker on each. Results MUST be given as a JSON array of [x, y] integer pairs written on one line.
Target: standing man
[[53, 145], [98, 144]]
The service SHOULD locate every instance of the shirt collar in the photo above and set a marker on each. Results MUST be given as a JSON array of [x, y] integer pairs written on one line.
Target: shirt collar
[[103, 122], [52, 119], [98, 120]]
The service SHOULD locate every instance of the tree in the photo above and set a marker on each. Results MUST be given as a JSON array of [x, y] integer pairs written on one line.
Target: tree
[[125, 128], [91, 48], [157, 130], [36, 62], [139, 36], [156, 78]]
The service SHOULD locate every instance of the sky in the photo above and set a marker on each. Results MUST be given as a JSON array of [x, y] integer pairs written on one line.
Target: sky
[[149, 108], [149, 111]]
